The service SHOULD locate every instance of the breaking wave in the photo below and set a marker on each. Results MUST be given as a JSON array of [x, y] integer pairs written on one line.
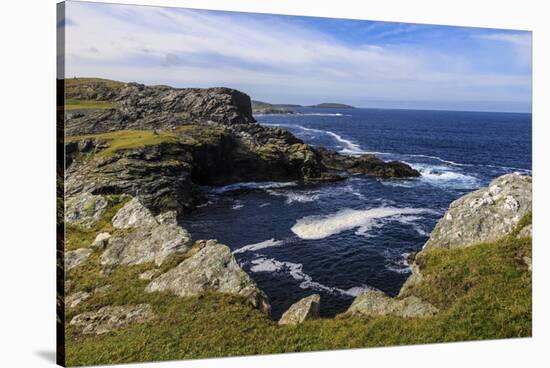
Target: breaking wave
[[257, 246], [319, 227], [295, 270]]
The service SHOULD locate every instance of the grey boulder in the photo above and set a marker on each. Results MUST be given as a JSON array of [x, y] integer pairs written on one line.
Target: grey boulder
[[133, 214], [376, 303], [111, 318], [484, 215], [211, 268], [85, 209], [306, 308], [76, 258]]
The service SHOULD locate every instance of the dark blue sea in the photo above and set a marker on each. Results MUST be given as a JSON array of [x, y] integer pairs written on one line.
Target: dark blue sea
[[339, 239]]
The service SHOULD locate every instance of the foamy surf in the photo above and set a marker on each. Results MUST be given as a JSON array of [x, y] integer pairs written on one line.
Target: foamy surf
[[257, 246], [293, 196], [251, 185], [319, 227], [295, 270]]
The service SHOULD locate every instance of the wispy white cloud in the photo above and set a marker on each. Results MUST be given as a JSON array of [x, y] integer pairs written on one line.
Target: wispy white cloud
[[272, 58]]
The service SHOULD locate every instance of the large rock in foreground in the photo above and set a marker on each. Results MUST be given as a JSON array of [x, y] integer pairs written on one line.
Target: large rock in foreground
[[212, 268], [146, 240], [376, 303], [306, 308], [484, 215], [111, 318]]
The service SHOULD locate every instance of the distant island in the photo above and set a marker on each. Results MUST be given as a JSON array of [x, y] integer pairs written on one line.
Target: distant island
[[260, 107], [332, 105]]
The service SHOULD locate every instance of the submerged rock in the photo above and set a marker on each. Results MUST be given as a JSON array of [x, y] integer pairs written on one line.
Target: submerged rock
[[306, 308], [484, 215], [85, 209], [146, 244], [110, 318], [133, 214], [377, 303], [212, 268], [76, 258]]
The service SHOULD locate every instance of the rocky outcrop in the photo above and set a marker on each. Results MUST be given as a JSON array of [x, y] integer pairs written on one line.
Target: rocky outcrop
[[75, 299], [147, 241], [211, 139], [211, 268], [84, 209], [76, 258], [376, 303], [306, 308], [111, 318], [484, 215], [137, 106], [366, 165], [133, 214]]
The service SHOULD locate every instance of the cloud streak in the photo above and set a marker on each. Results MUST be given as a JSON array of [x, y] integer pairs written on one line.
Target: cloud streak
[[281, 59]]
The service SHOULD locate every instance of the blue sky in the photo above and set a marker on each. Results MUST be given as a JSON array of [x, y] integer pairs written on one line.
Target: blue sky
[[303, 60]]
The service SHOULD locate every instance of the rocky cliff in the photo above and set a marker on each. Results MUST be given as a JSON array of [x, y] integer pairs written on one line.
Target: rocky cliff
[[161, 144]]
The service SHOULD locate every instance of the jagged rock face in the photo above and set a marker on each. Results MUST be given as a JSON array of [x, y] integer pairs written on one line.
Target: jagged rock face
[[484, 215], [366, 165], [306, 308], [160, 107], [159, 175], [376, 303], [77, 257], [111, 318], [84, 209], [212, 268]]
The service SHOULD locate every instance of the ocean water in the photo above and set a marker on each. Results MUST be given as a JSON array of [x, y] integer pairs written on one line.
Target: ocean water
[[339, 239]]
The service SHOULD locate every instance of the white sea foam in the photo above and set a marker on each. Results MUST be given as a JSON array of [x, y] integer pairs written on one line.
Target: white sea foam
[[251, 185], [257, 246], [237, 206], [295, 270], [264, 205], [319, 227], [444, 176], [293, 196]]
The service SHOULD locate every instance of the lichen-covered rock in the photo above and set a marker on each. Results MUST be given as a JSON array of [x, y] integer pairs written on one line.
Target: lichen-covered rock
[[133, 214], [377, 303], [110, 318], [149, 274], [484, 215], [77, 257], [145, 244], [168, 217], [85, 209], [526, 232], [212, 268], [101, 240], [75, 299], [306, 308]]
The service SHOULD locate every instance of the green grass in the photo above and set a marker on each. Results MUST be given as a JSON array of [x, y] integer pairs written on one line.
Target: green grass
[[128, 139], [74, 104], [484, 292]]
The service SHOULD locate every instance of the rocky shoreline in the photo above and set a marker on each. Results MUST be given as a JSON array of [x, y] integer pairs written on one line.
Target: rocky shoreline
[[133, 168]]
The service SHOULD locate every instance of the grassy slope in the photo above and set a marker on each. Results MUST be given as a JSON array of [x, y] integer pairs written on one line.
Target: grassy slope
[[127, 139], [484, 292], [74, 104]]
